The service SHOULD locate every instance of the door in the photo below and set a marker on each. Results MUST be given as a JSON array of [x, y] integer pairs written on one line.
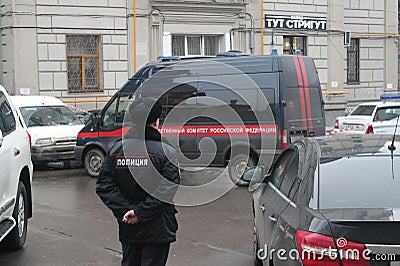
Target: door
[[179, 120], [225, 119], [281, 179], [301, 98], [112, 119], [7, 163]]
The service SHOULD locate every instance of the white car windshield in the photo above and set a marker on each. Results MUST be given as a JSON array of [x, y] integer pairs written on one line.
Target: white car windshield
[[40, 116]]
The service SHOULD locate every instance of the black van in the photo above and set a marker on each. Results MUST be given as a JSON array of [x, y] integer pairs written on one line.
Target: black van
[[289, 84]]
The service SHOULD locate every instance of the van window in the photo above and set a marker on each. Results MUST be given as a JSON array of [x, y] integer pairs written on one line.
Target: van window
[[113, 116], [316, 103], [269, 94], [176, 96], [233, 99], [293, 105]]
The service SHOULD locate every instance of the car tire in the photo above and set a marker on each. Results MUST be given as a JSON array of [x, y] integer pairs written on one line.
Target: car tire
[[93, 161], [16, 238], [238, 165]]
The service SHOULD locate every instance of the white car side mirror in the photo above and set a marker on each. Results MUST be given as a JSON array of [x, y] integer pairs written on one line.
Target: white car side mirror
[[1, 138]]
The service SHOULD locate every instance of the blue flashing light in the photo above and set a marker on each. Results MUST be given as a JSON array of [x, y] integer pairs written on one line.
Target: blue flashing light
[[390, 97], [274, 51], [166, 58], [297, 52]]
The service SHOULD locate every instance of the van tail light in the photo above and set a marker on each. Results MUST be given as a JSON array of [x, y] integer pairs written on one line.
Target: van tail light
[[30, 140], [337, 124], [370, 130], [315, 249], [284, 139]]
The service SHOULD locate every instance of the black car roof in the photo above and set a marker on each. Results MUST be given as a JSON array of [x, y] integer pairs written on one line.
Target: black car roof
[[355, 145]]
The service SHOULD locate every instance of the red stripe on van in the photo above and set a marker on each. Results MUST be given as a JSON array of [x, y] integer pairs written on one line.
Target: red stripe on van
[[307, 90], [107, 134], [302, 101]]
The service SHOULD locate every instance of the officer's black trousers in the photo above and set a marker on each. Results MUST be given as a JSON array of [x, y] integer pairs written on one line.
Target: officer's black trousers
[[145, 254]]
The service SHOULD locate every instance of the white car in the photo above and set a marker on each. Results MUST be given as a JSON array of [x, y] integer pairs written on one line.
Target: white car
[[53, 127], [368, 117], [15, 178]]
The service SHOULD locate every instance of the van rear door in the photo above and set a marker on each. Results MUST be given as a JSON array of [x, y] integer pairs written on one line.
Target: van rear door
[[302, 98]]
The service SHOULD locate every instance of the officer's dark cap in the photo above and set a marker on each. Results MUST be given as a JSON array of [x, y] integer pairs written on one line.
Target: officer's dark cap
[[143, 108]]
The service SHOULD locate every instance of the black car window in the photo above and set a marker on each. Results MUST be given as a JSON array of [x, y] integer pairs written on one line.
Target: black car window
[[281, 166], [289, 176], [359, 182], [7, 121]]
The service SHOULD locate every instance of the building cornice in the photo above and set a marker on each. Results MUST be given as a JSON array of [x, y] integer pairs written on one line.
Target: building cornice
[[198, 6]]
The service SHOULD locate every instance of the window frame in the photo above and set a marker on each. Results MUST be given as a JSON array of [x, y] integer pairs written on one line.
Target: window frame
[[83, 58], [291, 38], [202, 44], [355, 43]]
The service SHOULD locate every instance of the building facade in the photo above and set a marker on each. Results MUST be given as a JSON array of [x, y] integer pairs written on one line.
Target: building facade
[[354, 44], [76, 50]]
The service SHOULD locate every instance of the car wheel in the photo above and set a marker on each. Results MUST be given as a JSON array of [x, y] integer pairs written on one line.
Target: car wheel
[[16, 238], [93, 161], [256, 259], [238, 165]]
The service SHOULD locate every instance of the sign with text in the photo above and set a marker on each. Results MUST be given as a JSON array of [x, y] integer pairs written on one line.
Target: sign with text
[[295, 22]]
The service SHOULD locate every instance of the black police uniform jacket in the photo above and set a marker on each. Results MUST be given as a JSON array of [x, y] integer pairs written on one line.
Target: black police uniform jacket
[[142, 176]]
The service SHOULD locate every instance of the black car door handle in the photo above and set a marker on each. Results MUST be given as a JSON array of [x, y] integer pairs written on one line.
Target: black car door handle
[[16, 152], [272, 219]]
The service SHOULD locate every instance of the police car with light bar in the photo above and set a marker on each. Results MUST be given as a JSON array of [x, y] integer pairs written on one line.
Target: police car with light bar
[[371, 118]]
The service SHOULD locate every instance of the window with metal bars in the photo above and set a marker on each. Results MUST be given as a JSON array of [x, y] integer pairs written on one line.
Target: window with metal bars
[[353, 62], [83, 63]]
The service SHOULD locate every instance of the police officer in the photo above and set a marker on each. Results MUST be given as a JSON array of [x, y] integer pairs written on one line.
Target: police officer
[[138, 181]]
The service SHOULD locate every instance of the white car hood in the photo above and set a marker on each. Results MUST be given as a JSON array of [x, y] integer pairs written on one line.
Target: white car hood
[[55, 132]]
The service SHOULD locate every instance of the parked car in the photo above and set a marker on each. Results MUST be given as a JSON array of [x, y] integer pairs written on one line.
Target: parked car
[[15, 178], [53, 127], [297, 110], [366, 116], [335, 195]]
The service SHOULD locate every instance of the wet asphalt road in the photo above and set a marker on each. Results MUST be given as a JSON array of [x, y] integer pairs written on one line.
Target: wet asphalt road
[[72, 227]]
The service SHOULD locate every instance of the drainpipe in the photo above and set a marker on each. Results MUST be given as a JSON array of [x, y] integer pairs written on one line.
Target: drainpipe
[[262, 28], [134, 37]]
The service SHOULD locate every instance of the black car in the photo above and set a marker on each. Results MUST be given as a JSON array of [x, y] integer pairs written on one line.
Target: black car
[[332, 200]]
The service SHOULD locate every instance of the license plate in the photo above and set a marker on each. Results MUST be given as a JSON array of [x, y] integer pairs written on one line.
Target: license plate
[[349, 125], [294, 138]]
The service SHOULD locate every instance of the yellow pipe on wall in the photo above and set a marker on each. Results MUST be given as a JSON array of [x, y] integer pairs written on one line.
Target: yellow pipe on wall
[[262, 27], [134, 37]]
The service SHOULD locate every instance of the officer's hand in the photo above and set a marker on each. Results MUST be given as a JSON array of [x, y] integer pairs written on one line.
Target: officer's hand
[[130, 218]]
